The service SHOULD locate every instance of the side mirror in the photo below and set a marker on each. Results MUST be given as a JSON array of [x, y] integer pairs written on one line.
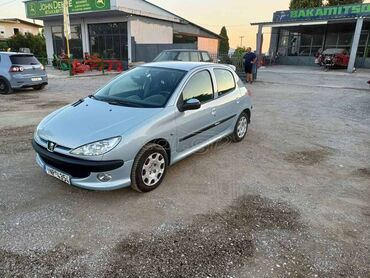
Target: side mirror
[[191, 104]]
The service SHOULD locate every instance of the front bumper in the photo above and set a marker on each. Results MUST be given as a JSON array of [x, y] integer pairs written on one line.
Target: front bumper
[[83, 173]]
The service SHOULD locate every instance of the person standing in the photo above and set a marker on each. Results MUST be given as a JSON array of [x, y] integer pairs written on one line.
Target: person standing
[[250, 60]]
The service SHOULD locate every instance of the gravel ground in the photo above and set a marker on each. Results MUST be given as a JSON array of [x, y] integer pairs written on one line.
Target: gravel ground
[[291, 200]]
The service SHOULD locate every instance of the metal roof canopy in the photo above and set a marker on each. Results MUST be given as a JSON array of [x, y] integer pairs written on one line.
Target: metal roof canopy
[[306, 22]]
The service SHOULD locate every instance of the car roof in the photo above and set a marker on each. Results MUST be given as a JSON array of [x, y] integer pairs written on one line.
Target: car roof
[[186, 66], [183, 50], [334, 50], [14, 53]]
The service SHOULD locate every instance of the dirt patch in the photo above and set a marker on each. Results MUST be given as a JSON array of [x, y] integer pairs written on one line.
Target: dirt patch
[[52, 104], [214, 245], [22, 96], [307, 158], [59, 262], [16, 140], [7, 108], [362, 172]]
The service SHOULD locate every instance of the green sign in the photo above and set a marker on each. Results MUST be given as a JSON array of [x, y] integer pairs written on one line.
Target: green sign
[[328, 12], [42, 8]]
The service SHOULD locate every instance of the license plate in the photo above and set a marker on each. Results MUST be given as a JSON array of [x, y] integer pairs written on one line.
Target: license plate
[[57, 174], [36, 79]]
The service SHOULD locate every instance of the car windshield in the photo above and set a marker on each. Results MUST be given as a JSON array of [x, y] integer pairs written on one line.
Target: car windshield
[[146, 87], [166, 56]]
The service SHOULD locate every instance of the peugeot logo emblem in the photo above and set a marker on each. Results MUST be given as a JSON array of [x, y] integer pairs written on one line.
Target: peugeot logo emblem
[[51, 146]]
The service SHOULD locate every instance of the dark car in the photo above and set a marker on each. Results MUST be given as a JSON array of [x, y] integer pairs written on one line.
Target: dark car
[[184, 55], [334, 58]]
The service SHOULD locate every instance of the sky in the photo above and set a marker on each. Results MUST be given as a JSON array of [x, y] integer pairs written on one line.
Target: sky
[[236, 15]]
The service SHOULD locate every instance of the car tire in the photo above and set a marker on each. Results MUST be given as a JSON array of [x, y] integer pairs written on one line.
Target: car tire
[[5, 87], [241, 128], [149, 168], [38, 87]]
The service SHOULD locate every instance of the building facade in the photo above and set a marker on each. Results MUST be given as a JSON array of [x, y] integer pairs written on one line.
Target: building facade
[[298, 35], [129, 30], [12, 26]]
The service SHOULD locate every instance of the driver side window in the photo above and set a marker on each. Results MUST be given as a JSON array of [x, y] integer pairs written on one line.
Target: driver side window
[[199, 87]]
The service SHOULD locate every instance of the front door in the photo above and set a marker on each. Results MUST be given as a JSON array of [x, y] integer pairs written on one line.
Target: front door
[[195, 126]]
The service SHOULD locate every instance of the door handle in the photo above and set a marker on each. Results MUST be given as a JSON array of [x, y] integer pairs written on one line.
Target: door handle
[[213, 111]]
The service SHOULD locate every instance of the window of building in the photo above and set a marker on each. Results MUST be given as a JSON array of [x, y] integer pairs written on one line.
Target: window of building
[[109, 40], [199, 87], [75, 42], [16, 31], [225, 81]]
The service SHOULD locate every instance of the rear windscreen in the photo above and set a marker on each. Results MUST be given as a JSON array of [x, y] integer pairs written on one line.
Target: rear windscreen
[[24, 60]]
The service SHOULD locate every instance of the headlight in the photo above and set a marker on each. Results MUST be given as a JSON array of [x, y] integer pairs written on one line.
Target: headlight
[[97, 148]]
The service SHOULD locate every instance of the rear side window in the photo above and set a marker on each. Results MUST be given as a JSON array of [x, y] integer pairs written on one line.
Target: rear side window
[[194, 56], [183, 56], [225, 81], [24, 60], [206, 57], [199, 87]]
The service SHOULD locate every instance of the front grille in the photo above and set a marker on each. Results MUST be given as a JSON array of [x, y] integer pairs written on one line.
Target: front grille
[[76, 172], [75, 167]]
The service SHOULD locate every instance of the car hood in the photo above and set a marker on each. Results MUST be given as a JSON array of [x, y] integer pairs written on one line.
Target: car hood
[[90, 121]]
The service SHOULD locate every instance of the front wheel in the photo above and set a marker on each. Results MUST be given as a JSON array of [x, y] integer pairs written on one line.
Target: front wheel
[[149, 168], [241, 127]]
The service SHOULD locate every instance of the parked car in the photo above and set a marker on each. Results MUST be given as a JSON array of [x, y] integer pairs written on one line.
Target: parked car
[[184, 55], [19, 70], [333, 58], [141, 122]]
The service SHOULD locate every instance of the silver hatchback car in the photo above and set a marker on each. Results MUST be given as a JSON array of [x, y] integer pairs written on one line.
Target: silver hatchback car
[[20, 70], [146, 119]]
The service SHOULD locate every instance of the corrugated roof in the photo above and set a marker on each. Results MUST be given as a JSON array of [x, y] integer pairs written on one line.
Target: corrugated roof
[[17, 20]]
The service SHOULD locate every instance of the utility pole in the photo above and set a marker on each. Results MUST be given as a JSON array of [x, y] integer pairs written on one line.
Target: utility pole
[[241, 41]]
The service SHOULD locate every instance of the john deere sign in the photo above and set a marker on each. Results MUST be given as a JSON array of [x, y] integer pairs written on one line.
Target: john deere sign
[[323, 13], [35, 9]]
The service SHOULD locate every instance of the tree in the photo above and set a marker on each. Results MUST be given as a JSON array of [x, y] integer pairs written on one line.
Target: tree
[[344, 2], [36, 43], [239, 51], [224, 43], [301, 4]]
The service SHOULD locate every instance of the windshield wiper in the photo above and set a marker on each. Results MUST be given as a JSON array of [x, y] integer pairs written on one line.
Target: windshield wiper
[[92, 96], [123, 103]]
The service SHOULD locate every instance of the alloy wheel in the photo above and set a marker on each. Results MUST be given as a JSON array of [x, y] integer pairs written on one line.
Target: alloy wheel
[[242, 127], [153, 169]]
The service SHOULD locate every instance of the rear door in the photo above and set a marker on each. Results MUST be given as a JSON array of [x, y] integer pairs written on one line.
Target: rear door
[[195, 127], [227, 103]]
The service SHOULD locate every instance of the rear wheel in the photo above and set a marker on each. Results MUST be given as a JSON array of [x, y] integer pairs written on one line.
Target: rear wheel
[[4, 87], [149, 168], [241, 127], [38, 87]]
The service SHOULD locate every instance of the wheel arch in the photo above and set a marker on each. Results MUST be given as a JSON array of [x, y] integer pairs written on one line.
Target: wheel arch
[[163, 143], [248, 112]]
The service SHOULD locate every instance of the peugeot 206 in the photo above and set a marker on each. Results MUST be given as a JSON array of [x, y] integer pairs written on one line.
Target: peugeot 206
[[141, 122]]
